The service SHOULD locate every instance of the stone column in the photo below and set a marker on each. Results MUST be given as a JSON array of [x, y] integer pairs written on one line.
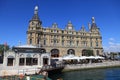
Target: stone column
[[38, 61], [17, 59], [25, 61]]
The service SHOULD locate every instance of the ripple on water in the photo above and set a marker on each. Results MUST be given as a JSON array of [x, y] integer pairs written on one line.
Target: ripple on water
[[93, 74]]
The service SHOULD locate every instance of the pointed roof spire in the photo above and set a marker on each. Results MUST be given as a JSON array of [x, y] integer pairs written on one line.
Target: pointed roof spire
[[83, 28], [35, 16], [54, 25], [93, 19], [36, 10], [93, 26]]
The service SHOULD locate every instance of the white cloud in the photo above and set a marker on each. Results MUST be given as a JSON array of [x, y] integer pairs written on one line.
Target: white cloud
[[113, 46], [111, 39], [110, 43]]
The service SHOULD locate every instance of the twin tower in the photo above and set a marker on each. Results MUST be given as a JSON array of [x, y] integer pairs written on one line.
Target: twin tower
[[68, 41]]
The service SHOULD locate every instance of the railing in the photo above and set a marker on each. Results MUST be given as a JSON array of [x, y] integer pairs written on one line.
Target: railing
[[50, 67], [28, 71]]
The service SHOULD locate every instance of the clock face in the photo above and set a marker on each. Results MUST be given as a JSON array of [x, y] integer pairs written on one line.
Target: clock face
[[69, 27]]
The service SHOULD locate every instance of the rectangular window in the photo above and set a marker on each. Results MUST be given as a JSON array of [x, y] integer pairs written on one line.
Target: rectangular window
[[30, 41], [96, 39], [91, 44], [77, 43], [30, 34], [96, 44], [55, 42], [55, 31], [62, 37], [51, 30], [44, 36], [38, 41], [62, 31], [38, 34], [62, 42], [76, 33], [44, 42], [84, 43], [44, 30], [70, 43]]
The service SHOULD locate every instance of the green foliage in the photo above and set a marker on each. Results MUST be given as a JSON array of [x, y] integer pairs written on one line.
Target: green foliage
[[3, 48], [113, 55], [88, 53]]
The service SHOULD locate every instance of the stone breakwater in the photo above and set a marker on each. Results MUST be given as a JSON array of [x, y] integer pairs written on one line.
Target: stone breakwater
[[104, 64]]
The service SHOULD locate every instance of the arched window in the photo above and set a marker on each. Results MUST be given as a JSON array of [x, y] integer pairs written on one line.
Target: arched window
[[71, 51], [55, 53]]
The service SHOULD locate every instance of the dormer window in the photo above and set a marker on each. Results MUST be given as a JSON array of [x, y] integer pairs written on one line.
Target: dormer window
[[69, 26], [55, 31], [44, 30], [54, 25], [32, 23]]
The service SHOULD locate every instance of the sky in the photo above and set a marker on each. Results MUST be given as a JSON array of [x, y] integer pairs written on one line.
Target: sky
[[15, 16]]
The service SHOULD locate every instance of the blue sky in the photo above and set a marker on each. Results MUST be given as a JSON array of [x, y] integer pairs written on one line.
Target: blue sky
[[15, 16]]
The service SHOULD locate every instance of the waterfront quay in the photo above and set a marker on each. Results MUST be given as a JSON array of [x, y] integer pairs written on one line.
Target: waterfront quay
[[104, 64], [10, 70]]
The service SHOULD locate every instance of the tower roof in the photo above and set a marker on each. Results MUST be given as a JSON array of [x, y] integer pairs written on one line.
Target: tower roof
[[93, 23], [35, 16]]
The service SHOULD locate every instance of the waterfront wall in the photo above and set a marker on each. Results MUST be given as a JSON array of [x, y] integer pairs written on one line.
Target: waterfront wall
[[9, 71], [105, 64]]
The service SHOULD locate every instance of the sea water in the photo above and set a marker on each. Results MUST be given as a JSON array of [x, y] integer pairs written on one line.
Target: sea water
[[92, 74]]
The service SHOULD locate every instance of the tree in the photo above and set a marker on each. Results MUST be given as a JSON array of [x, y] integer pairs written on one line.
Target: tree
[[2, 49], [113, 55]]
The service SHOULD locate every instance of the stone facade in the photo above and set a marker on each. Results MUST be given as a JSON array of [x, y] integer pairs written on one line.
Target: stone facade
[[64, 41]]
